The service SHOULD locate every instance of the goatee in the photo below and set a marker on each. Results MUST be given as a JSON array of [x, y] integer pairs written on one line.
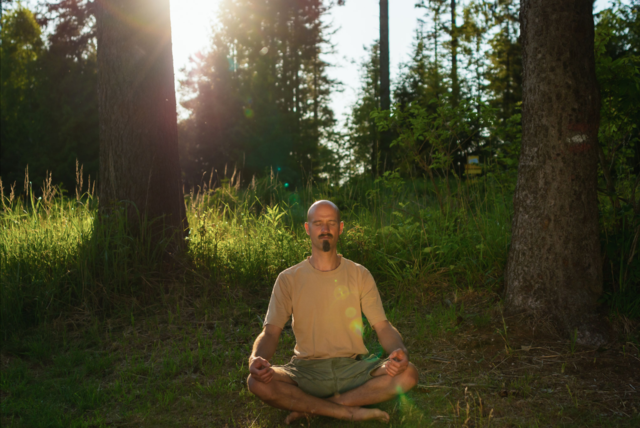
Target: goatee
[[326, 246]]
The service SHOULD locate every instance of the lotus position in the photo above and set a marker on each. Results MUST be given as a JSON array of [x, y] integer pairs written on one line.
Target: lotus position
[[329, 374]]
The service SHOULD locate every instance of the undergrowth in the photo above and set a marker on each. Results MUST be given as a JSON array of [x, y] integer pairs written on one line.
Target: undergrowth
[[97, 331], [58, 255]]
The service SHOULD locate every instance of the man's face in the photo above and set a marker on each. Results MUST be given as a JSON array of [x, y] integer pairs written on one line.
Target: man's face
[[324, 228]]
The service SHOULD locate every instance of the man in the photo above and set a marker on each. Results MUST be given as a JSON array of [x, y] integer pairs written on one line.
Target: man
[[326, 295]]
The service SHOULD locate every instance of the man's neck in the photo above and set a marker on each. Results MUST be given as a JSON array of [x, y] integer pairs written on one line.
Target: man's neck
[[324, 261]]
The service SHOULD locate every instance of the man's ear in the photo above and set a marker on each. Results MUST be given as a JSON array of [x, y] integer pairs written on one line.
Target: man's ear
[[306, 227], [341, 227]]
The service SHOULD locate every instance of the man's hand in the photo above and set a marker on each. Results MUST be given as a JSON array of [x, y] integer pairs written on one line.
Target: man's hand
[[398, 362], [260, 369]]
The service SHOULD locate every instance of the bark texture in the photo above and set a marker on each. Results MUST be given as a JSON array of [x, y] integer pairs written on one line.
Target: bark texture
[[381, 157], [139, 160], [554, 267]]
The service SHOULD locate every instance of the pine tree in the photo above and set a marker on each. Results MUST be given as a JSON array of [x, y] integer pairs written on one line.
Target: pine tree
[[269, 65], [421, 79], [413, 82], [505, 59], [477, 22], [363, 134], [56, 114], [454, 35], [434, 14], [20, 50]]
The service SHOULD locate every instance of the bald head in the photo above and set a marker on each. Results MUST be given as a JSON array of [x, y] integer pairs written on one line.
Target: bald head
[[317, 204]]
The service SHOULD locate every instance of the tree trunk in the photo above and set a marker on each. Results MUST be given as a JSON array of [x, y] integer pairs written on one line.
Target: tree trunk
[[381, 153], [455, 86], [436, 34], [316, 89], [385, 91], [554, 267], [507, 85], [139, 160]]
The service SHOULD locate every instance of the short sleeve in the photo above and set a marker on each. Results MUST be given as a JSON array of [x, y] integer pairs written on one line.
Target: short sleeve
[[370, 300], [280, 307]]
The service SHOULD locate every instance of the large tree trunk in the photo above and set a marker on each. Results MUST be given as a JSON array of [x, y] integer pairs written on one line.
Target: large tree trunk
[[139, 161], [554, 268], [382, 152]]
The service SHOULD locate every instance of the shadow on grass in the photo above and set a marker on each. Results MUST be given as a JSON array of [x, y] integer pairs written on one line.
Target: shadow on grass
[[169, 365]]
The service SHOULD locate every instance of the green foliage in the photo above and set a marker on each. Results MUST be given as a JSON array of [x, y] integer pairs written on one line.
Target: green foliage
[[363, 136], [485, 96], [20, 49], [618, 71], [56, 255], [421, 80], [433, 139], [259, 98], [430, 140], [48, 111], [436, 236], [504, 71], [259, 101]]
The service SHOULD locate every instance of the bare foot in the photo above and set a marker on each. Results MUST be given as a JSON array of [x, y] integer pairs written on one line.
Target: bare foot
[[294, 416], [363, 414]]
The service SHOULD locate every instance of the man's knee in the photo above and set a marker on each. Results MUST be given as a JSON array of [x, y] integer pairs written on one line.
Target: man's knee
[[263, 391], [409, 378]]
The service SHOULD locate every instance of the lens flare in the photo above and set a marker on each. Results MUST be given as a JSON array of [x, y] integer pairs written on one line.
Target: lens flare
[[350, 312], [407, 406], [129, 19], [341, 292], [356, 326]]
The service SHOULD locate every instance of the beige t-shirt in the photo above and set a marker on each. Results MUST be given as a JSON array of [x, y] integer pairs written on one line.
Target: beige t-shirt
[[327, 308]]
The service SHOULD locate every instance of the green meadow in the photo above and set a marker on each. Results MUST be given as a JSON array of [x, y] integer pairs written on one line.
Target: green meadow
[[101, 329]]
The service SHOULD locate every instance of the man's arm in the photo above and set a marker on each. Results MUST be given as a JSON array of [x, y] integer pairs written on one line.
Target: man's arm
[[391, 342], [263, 349]]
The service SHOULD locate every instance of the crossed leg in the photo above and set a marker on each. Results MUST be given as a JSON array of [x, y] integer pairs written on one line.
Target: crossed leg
[[282, 392]]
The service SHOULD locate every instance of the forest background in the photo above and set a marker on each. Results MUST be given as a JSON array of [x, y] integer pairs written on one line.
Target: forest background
[[259, 102], [260, 142]]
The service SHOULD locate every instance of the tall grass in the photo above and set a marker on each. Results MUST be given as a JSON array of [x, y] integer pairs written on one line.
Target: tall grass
[[57, 255], [395, 228]]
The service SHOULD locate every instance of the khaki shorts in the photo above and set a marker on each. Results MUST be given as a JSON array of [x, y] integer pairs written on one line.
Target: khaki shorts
[[327, 377]]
